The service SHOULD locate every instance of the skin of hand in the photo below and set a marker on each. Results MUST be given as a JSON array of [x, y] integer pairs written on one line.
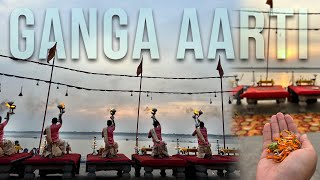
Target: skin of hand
[[299, 165]]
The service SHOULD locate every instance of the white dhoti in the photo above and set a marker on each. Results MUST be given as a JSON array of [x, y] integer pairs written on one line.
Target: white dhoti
[[204, 151], [159, 148], [53, 149], [110, 150], [7, 148]]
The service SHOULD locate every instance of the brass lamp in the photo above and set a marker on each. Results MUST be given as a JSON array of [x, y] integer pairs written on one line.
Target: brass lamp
[[62, 108], [11, 107]]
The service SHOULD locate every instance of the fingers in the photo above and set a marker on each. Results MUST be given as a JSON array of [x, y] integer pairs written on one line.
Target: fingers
[[274, 127], [266, 135], [282, 122], [305, 142], [266, 139], [291, 125]]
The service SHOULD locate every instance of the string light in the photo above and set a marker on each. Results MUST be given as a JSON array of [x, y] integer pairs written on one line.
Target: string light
[[229, 100], [131, 93], [116, 90], [67, 94], [119, 75], [147, 94], [215, 94], [275, 12], [210, 101], [276, 28], [38, 83], [58, 87], [151, 97]]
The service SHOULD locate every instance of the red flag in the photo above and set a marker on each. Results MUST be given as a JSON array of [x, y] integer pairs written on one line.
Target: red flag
[[52, 52], [219, 68], [270, 3], [139, 69]]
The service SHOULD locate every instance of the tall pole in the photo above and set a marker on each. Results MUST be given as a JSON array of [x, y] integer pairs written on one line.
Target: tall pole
[[224, 138], [253, 78], [292, 78], [45, 112], [268, 46], [137, 131]]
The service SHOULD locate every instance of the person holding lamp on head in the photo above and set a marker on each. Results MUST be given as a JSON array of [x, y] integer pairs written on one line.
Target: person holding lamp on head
[[55, 146], [7, 147], [204, 147], [159, 148], [111, 147]]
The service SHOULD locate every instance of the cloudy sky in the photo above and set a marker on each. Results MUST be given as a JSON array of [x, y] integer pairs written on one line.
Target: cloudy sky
[[88, 111], [292, 36]]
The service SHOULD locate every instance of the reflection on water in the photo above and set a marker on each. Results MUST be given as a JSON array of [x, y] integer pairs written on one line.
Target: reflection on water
[[81, 142]]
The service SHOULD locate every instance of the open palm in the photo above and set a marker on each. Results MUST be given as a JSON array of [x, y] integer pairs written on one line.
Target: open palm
[[300, 164]]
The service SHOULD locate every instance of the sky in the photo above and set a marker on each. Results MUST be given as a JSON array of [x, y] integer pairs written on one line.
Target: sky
[[89, 111]]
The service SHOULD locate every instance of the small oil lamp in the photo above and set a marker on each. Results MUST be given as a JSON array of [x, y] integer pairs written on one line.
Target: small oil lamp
[[11, 107], [94, 146], [61, 108]]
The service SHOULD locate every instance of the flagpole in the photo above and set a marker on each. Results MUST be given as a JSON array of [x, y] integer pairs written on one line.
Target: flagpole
[[138, 109], [224, 138], [268, 46], [45, 112]]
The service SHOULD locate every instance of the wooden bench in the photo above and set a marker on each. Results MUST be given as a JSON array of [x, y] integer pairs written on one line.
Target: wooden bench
[[301, 82], [150, 163], [13, 165], [229, 151], [68, 165], [121, 163], [265, 82]]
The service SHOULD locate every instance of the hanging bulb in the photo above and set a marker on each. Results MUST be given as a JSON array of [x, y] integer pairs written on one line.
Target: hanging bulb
[[210, 101], [215, 94], [67, 92], [58, 86], [21, 92], [151, 97], [131, 93], [38, 83], [229, 100], [147, 94]]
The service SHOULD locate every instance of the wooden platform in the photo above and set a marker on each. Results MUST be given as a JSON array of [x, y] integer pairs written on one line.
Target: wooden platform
[[258, 93], [68, 165], [304, 95], [177, 165], [197, 167], [121, 163], [12, 165]]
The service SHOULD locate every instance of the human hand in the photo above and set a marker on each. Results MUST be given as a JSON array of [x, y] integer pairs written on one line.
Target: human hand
[[300, 164]]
